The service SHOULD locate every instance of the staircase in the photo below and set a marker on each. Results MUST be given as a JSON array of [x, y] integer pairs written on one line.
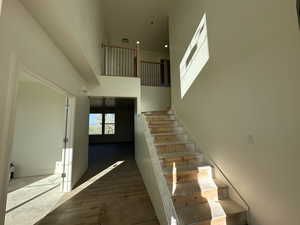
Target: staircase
[[198, 198]]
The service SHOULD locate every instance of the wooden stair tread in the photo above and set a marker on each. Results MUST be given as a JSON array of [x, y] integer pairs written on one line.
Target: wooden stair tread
[[173, 143], [159, 117], [169, 133], [198, 198], [177, 143], [196, 214], [189, 188], [178, 154], [155, 113], [183, 169], [164, 120]]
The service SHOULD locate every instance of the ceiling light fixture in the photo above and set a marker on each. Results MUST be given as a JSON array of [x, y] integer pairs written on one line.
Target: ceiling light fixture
[[138, 42], [166, 46]]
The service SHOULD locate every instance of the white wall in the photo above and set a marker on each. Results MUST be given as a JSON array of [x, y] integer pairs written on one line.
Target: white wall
[[154, 56], [39, 130], [243, 109], [155, 98], [22, 37], [129, 87], [90, 30], [79, 31], [81, 139]]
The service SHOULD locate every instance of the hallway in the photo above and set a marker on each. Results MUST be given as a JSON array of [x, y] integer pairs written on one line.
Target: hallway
[[112, 195]]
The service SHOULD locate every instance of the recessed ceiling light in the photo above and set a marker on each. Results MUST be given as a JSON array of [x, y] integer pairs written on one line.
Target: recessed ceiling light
[[138, 42], [166, 46]]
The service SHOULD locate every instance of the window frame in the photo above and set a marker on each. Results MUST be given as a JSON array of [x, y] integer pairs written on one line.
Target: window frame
[[93, 113], [104, 123]]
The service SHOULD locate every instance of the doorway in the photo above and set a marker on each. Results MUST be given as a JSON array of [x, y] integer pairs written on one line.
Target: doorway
[[111, 132], [39, 153]]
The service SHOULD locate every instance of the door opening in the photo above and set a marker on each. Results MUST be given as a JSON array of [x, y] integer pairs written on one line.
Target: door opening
[[111, 133], [41, 155]]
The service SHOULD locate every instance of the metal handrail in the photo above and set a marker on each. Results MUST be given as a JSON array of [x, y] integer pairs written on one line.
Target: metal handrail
[[219, 169], [117, 46]]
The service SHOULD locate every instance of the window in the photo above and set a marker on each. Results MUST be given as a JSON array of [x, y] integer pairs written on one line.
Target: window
[[95, 124], [195, 57], [109, 127], [102, 123]]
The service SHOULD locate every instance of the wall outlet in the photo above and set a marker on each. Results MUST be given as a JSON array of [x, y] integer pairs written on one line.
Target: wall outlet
[[251, 140]]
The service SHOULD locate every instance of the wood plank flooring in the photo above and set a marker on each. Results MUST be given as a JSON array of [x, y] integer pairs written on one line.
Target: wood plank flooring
[[117, 198]]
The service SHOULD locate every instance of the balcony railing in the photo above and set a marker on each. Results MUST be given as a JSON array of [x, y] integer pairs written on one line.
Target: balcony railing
[[151, 74], [122, 61], [155, 74]]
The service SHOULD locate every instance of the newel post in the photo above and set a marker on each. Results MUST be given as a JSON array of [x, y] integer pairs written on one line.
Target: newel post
[[138, 61]]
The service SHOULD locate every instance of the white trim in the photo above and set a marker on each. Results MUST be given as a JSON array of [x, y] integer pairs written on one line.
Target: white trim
[[45, 82], [6, 131]]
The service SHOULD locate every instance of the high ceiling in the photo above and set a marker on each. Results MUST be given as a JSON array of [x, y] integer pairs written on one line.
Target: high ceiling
[[76, 28], [138, 20], [79, 27]]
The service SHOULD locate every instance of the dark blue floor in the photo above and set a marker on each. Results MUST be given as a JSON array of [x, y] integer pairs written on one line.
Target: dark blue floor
[[103, 155]]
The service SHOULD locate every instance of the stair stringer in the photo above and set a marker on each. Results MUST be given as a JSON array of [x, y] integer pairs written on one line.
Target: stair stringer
[[169, 215]]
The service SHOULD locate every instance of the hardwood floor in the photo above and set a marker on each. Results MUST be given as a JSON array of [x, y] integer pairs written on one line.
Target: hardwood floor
[[117, 198]]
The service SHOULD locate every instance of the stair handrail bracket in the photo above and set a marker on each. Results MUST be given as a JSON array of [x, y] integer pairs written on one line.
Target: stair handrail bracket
[[165, 193]]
